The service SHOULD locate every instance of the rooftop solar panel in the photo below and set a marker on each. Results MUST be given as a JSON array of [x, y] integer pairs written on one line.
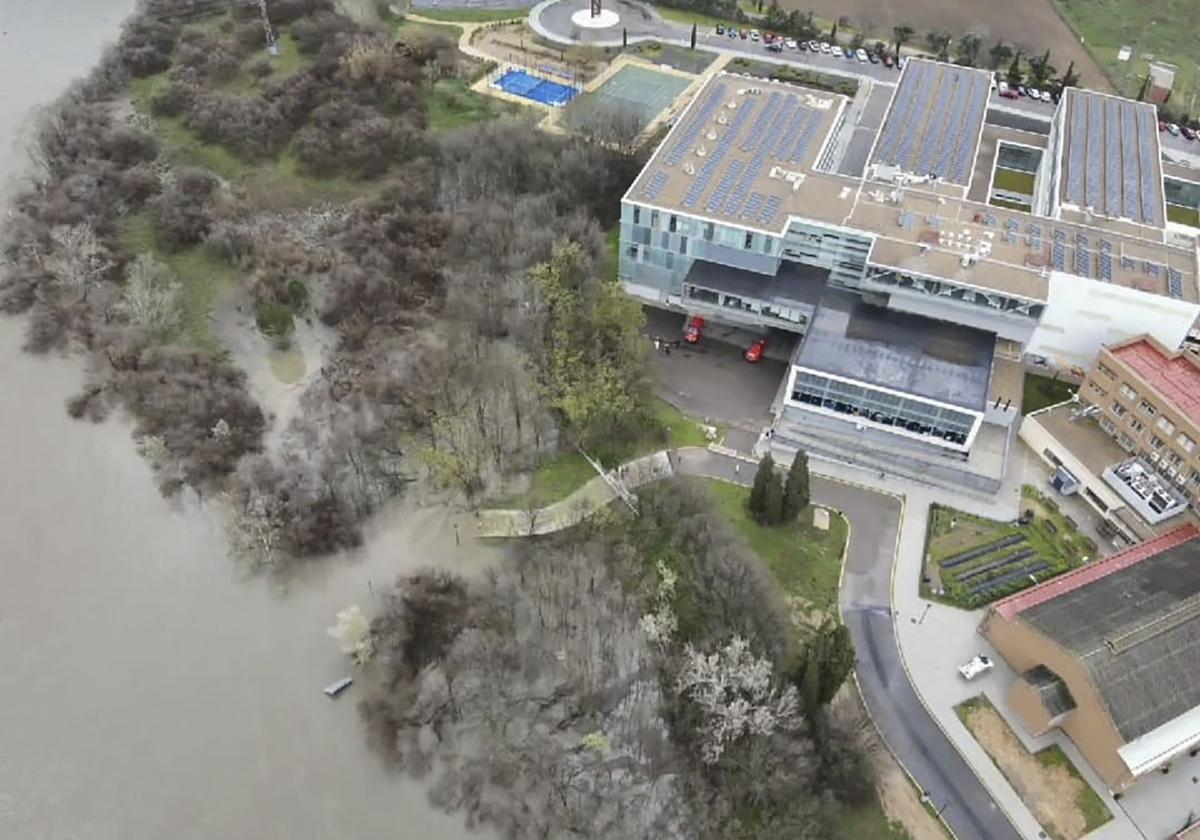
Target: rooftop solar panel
[[966, 148], [752, 206], [1130, 198], [655, 185], [1113, 174], [723, 186], [1075, 162], [769, 210], [934, 137], [1146, 134], [695, 125], [909, 137], [901, 106], [1095, 148], [755, 134]]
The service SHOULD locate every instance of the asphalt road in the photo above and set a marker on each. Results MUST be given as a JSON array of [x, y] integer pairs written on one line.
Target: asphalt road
[[910, 732]]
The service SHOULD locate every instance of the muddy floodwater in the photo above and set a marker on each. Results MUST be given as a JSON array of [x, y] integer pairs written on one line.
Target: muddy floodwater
[[147, 689]]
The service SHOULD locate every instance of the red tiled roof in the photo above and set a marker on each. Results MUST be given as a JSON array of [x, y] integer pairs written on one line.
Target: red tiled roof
[[1175, 376], [1051, 589]]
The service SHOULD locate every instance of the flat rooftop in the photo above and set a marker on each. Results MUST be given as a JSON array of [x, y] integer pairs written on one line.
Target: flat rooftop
[[1176, 376], [754, 165], [895, 350], [935, 119], [1110, 160]]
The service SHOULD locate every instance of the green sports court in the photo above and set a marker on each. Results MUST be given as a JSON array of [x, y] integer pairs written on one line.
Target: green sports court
[[640, 90]]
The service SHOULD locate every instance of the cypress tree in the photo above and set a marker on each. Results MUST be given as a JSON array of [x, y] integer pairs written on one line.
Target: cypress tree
[[693, 36], [758, 493], [773, 503], [795, 492]]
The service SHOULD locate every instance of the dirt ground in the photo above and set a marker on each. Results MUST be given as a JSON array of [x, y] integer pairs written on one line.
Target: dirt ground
[[1033, 25], [1050, 792], [516, 44]]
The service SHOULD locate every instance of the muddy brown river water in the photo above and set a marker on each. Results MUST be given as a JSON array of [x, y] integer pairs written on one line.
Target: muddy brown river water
[[148, 690]]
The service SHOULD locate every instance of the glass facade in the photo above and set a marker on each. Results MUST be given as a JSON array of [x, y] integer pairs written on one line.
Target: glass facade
[[865, 404], [667, 243], [964, 294]]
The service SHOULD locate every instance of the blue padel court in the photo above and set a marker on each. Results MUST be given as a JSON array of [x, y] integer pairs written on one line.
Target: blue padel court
[[520, 83]]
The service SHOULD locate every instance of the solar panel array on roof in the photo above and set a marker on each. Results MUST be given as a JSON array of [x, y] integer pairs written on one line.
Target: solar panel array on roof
[[1130, 199], [655, 185], [1113, 173], [1077, 150], [982, 87], [1147, 129], [692, 131], [1095, 145], [769, 210]]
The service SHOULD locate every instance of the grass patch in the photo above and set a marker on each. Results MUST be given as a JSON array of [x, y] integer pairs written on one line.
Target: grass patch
[[409, 29], [688, 16], [1042, 391], [673, 55], [451, 104], [1047, 781], [472, 15], [1010, 205], [1095, 812], [1012, 181], [805, 561], [288, 62], [557, 476], [992, 559], [795, 75], [1183, 215], [869, 821], [203, 277], [1165, 29]]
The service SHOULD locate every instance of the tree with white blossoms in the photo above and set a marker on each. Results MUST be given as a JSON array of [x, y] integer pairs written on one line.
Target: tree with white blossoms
[[737, 695], [353, 634], [151, 297], [80, 258]]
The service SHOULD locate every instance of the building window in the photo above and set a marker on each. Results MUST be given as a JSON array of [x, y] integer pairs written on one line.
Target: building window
[[766, 244], [1136, 425], [1156, 442], [1095, 386], [1107, 425], [672, 222], [1165, 426], [1106, 371], [749, 243], [1118, 409], [670, 260], [1094, 499], [1146, 408], [708, 232], [703, 295], [654, 218], [1186, 443], [633, 252], [1126, 442], [1128, 393], [637, 215], [1196, 477], [1175, 459], [683, 246], [665, 240]]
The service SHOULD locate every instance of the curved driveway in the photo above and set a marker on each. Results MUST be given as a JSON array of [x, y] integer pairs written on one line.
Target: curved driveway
[[902, 719]]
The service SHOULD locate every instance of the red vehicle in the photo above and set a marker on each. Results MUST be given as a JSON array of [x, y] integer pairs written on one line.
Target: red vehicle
[[755, 352], [693, 330], [1009, 93], [888, 61]]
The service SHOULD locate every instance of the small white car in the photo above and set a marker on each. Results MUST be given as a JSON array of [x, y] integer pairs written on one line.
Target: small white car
[[835, 51], [981, 664], [754, 35], [825, 48], [1034, 93], [861, 55], [1046, 97], [790, 43]]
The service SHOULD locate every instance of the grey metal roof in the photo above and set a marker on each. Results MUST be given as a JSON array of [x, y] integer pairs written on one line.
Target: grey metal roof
[[936, 360], [1137, 631], [794, 284]]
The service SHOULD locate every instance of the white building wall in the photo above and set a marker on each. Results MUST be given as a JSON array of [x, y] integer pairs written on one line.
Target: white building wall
[[1084, 314]]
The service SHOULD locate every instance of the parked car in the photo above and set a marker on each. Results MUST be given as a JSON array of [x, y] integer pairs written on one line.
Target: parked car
[[1022, 90], [775, 46], [1172, 129], [744, 34], [1033, 93], [755, 351], [887, 61], [873, 57], [790, 43], [979, 665], [754, 35], [1010, 94], [693, 330], [901, 61], [861, 55], [1001, 86], [336, 688], [825, 48], [1188, 133], [835, 51], [1162, 126], [720, 29], [1046, 96], [814, 46]]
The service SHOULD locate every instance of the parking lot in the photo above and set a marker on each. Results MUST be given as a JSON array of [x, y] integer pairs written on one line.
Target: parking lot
[[711, 379]]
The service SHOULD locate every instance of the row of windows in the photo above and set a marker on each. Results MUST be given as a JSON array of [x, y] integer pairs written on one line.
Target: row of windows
[[674, 224], [937, 288], [913, 415], [782, 313]]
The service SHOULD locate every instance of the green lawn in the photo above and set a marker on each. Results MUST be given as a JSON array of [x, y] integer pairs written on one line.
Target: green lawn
[[1013, 181], [687, 16], [472, 15], [557, 476], [203, 277], [1010, 205], [806, 562], [413, 29], [450, 103], [1183, 215], [1166, 29], [673, 55], [290, 60], [1048, 546], [869, 821], [1042, 391]]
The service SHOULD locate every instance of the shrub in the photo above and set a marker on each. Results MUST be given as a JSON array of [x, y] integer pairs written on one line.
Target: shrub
[[274, 320]]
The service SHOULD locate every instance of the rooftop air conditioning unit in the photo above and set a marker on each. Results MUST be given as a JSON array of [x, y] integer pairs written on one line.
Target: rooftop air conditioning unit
[[1154, 456], [1172, 472], [1181, 479]]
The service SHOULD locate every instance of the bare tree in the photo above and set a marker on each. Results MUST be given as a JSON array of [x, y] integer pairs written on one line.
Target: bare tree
[[151, 297], [80, 259]]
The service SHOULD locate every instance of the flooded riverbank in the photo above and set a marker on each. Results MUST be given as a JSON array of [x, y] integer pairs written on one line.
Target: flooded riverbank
[[149, 690]]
